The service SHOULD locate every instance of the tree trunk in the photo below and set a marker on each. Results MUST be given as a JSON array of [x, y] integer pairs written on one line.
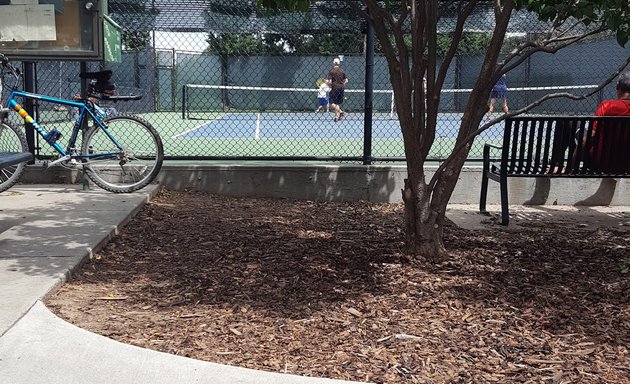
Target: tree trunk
[[423, 225]]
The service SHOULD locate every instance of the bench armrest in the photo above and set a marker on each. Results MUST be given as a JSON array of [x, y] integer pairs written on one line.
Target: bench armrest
[[486, 153]]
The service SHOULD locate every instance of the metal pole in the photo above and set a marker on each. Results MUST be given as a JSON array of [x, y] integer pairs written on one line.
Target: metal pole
[[174, 79], [29, 86], [369, 95], [84, 84]]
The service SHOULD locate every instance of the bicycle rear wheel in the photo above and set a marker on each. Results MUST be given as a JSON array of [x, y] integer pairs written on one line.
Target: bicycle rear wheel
[[129, 169], [12, 139]]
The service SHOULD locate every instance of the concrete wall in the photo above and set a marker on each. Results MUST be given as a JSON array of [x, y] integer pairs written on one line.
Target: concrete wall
[[356, 182]]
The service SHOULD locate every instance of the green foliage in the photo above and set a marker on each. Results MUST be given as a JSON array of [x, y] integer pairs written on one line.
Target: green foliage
[[334, 44], [136, 40], [614, 14], [230, 44], [292, 5], [472, 43]]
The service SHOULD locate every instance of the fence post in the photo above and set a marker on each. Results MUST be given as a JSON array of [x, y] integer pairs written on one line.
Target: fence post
[[29, 105], [369, 95], [84, 83]]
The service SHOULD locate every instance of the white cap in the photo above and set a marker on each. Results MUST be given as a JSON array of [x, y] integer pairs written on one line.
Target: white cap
[[336, 61]]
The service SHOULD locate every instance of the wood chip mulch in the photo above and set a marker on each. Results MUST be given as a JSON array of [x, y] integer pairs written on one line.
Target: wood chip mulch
[[321, 289]]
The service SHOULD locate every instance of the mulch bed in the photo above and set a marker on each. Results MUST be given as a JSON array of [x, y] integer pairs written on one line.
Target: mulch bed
[[322, 289]]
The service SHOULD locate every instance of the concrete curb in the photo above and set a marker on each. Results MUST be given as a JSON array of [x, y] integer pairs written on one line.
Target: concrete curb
[[44, 348]]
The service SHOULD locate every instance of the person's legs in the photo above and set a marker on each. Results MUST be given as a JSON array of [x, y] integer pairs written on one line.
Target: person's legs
[[335, 109], [322, 102], [505, 105], [342, 114], [336, 98], [491, 106]]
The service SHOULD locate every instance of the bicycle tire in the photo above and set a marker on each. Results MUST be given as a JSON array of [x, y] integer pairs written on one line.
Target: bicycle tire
[[131, 169], [12, 139]]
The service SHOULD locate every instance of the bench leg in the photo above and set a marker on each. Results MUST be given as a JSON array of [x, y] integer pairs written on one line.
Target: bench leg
[[484, 190], [505, 213]]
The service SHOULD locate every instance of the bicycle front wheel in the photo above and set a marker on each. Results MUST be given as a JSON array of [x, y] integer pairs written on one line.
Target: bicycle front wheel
[[128, 169], [12, 139]]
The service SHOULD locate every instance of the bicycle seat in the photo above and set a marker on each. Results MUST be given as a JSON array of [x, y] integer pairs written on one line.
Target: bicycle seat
[[98, 76]]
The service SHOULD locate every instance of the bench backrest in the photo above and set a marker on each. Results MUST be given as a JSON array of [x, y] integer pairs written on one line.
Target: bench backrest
[[566, 146]]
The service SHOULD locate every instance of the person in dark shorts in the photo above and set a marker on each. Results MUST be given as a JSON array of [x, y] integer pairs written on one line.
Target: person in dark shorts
[[337, 81], [499, 91]]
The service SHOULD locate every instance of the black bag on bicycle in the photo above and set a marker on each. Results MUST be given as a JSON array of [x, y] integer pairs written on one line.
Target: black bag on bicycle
[[100, 82]]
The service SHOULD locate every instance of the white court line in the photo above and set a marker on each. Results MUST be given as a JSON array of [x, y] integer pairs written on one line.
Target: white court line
[[188, 131], [182, 134]]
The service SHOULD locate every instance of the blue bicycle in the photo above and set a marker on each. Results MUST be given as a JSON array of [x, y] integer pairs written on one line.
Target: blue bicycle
[[119, 153]]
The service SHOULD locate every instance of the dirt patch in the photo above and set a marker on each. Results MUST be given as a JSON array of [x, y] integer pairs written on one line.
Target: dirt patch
[[321, 289]]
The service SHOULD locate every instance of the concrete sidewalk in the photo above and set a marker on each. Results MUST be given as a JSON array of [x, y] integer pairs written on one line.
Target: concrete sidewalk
[[46, 231]]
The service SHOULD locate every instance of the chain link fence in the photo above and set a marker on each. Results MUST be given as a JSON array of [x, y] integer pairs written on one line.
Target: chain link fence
[[222, 80]]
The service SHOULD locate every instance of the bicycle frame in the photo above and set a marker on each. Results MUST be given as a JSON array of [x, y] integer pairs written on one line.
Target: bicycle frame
[[85, 112]]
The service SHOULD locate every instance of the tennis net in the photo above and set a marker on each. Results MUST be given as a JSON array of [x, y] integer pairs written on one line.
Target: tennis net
[[203, 102], [200, 101]]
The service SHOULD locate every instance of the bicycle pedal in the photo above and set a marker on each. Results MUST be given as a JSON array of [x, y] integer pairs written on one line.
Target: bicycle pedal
[[61, 160], [72, 164]]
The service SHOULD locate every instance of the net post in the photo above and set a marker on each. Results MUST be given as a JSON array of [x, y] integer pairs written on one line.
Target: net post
[[184, 101], [392, 106]]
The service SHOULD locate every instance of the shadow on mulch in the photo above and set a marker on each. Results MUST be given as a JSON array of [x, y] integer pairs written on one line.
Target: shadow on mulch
[[319, 289], [560, 274], [287, 258]]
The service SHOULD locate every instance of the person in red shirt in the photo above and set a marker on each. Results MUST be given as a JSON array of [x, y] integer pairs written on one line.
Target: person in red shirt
[[621, 105], [609, 149]]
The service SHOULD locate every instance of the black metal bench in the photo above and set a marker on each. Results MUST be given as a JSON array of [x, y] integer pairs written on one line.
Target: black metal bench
[[557, 146], [12, 158]]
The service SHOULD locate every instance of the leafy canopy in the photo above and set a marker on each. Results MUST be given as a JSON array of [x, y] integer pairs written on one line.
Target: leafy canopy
[[614, 14]]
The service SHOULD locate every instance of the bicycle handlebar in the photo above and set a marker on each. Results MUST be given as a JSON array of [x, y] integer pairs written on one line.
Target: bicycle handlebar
[[4, 61]]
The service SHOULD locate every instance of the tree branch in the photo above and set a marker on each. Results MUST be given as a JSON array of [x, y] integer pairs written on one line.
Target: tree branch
[[489, 124], [529, 48], [462, 16]]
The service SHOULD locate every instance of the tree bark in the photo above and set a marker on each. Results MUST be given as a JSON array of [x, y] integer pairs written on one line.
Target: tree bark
[[423, 225]]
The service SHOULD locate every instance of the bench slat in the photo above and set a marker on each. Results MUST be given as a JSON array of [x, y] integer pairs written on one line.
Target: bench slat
[[11, 158]]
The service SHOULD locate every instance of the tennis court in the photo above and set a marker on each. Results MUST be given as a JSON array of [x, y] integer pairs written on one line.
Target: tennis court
[[312, 125]]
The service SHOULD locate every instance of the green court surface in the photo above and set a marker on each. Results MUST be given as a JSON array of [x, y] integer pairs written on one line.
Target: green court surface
[[171, 126], [172, 129]]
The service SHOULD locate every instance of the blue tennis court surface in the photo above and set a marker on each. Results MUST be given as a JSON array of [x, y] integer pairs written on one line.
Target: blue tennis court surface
[[312, 125]]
